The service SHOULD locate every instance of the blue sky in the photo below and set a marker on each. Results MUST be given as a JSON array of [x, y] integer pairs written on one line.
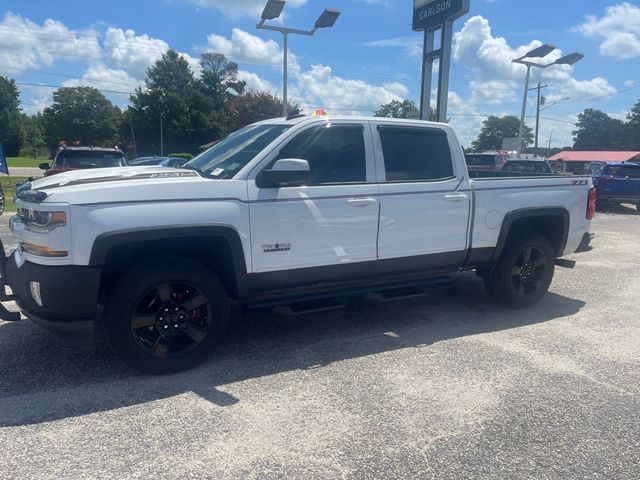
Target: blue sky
[[370, 57]]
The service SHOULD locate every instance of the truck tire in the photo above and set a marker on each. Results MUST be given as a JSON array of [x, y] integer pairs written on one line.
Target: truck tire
[[524, 271], [166, 314]]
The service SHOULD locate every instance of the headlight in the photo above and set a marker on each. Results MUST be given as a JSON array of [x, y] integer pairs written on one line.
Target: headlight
[[42, 221]]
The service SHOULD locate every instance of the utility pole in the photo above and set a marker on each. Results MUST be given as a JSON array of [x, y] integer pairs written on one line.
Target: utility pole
[[538, 88], [161, 137], [34, 136]]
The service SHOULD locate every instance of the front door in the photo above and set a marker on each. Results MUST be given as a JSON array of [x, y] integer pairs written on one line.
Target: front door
[[333, 220]]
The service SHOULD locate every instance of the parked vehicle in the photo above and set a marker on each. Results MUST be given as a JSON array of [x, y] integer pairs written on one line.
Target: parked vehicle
[[279, 213], [80, 158], [174, 162], [618, 183], [527, 166], [486, 161]]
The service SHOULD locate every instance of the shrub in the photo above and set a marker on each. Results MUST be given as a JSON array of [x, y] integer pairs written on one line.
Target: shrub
[[186, 156]]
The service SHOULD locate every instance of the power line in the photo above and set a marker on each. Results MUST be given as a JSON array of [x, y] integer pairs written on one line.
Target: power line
[[62, 86]]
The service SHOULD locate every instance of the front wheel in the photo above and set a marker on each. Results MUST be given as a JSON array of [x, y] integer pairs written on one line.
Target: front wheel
[[166, 314], [524, 271]]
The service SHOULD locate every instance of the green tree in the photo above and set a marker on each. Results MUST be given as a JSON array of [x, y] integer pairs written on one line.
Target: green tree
[[190, 111], [33, 135], [10, 125], [633, 127], [253, 107], [495, 128], [598, 131], [219, 78], [81, 115], [398, 109]]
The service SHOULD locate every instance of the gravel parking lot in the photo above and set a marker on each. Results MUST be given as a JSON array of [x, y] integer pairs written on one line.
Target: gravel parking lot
[[448, 385]]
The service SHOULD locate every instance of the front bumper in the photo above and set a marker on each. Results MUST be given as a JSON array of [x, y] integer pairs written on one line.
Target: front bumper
[[68, 293]]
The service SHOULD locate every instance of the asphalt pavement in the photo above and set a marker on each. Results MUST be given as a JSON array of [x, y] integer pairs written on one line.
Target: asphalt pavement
[[446, 386]]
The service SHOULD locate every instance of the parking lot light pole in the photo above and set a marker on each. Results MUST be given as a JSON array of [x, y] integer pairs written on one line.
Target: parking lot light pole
[[539, 52], [272, 10]]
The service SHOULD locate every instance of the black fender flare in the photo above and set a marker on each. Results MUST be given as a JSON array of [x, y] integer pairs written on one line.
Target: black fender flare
[[106, 242], [537, 212]]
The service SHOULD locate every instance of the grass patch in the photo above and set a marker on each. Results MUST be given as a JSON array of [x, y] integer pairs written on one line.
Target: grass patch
[[9, 188], [26, 162]]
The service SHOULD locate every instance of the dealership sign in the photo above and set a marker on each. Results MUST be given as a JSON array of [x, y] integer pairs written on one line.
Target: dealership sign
[[428, 14]]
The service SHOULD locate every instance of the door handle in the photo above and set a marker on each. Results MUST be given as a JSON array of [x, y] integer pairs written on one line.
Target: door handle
[[455, 197], [361, 202]]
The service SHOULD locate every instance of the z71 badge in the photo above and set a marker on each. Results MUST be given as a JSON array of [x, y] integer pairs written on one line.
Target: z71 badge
[[276, 247]]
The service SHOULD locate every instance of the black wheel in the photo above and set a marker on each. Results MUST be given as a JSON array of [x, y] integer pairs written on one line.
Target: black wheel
[[166, 315], [523, 272], [1, 201]]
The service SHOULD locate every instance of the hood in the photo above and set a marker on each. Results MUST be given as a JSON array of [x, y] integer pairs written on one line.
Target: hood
[[102, 175], [130, 184]]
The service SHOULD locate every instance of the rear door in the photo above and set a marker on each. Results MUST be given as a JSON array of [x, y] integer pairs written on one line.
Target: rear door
[[424, 196]]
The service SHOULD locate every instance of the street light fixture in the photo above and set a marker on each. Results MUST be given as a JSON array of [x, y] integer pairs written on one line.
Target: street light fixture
[[272, 10], [539, 52]]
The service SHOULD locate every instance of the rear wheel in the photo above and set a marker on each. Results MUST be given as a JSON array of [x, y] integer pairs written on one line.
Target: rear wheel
[[166, 315], [523, 272]]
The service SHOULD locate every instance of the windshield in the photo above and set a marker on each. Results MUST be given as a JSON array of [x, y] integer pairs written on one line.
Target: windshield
[[483, 160], [228, 156], [527, 167]]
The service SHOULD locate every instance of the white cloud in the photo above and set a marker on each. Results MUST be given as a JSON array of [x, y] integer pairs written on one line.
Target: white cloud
[[465, 120], [618, 29], [246, 48], [25, 45], [39, 98], [238, 8], [319, 87], [134, 54], [629, 83], [254, 82], [116, 84], [497, 80], [411, 45]]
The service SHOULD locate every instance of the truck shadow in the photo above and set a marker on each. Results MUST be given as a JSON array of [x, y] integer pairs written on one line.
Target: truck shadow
[[43, 380]]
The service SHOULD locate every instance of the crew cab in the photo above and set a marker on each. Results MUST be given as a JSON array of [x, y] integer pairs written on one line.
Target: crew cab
[[280, 212]]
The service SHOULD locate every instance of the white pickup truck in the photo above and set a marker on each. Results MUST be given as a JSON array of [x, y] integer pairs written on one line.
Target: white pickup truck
[[279, 212]]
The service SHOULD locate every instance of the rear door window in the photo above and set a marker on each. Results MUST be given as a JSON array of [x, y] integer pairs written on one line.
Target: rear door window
[[415, 154], [631, 171]]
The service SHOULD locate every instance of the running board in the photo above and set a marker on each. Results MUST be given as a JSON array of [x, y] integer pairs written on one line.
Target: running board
[[563, 262], [312, 306]]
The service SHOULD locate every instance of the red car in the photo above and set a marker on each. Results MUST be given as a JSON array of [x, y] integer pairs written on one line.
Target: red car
[[486, 161], [75, 158]]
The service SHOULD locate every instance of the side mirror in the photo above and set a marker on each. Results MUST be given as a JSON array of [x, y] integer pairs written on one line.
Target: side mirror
[[288, 172], [44, 166]]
